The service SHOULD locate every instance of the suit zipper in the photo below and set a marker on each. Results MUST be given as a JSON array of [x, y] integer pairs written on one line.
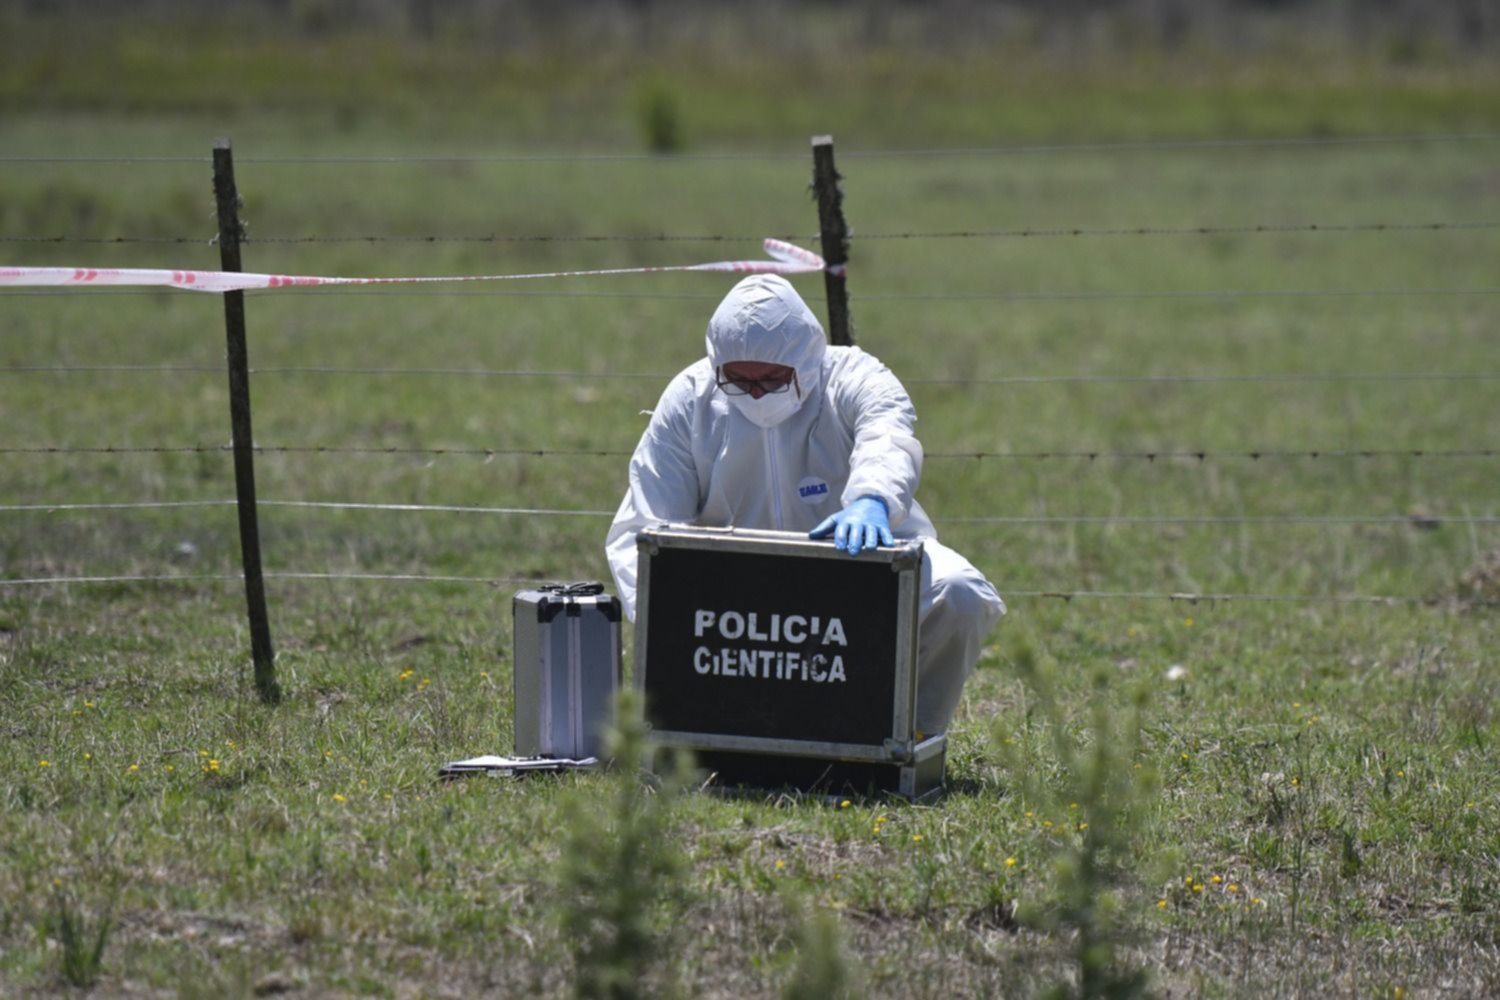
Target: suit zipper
[[774, 475]]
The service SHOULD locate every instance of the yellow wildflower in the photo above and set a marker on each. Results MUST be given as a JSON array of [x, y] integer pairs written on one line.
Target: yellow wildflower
[[1161, 904], [44, 763], [1010, 862], [339, 798]]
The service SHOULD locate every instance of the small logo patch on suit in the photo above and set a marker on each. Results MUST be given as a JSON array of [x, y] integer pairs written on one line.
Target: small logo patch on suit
[[813, 490]]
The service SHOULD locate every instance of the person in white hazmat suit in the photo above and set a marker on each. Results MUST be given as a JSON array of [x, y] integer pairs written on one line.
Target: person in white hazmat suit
[[775, 429]]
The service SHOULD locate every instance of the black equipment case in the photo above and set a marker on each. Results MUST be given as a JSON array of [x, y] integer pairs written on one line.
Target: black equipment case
[[780, 661], [567, 668]]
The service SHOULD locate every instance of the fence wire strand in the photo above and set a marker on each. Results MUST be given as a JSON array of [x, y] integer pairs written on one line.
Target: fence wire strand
[[1028, 232], [1102, 379], [1422, 520], [1091, 455], [1211, 599], [952, 297], [800, 154]]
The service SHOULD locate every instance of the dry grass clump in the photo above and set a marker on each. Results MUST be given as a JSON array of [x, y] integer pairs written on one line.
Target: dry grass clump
[[1480, 583]]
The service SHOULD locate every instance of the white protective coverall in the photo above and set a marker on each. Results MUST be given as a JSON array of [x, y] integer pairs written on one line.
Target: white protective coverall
[[788, 460]]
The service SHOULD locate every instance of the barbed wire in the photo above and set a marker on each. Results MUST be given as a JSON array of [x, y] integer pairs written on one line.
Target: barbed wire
[[1451, 602], [1161, 145], [1091, 455], [1245, 229], [1294, 142], [969, 234], [664, 376], [1424, 520], [110, 240], [1203, 455]]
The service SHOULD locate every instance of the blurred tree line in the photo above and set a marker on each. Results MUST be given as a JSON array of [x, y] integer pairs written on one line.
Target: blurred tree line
[[1389, 30]]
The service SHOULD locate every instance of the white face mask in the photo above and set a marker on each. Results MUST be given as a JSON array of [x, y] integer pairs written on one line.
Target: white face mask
[[770, 409]]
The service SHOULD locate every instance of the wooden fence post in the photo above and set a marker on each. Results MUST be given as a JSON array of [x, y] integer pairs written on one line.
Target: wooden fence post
[[230, 232], [835, 233]]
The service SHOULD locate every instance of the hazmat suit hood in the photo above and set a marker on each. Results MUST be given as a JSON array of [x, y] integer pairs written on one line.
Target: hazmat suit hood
[[764, 319]]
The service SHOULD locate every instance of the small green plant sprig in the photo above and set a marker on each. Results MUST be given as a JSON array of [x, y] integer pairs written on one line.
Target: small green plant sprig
[[1099, 787], [822, 971], [622, 875], [81, 946]]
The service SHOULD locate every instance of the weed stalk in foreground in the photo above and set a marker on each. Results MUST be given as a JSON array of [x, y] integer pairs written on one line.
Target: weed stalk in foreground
[[81, 955], [1099, 790], [621, 875], [822, 971]]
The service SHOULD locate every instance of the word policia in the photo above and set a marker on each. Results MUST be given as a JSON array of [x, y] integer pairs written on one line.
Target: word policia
[[769, 663]]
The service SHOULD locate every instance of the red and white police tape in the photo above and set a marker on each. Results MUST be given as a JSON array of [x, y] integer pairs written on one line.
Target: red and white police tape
[[786, 258]]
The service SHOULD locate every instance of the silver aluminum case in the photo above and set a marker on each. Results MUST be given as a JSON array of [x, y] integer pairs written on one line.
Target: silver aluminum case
[[566, 672], [905, 558]]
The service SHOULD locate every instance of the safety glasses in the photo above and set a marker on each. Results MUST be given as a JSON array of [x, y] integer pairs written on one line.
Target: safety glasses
[[736, 384]]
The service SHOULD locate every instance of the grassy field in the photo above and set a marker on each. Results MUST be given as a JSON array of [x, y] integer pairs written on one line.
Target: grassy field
[[1310, 807]]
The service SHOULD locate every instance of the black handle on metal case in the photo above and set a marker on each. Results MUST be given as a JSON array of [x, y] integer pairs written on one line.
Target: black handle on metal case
[[587, 588]]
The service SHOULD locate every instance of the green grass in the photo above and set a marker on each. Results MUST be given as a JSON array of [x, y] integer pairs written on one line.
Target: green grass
[[1335, 764]]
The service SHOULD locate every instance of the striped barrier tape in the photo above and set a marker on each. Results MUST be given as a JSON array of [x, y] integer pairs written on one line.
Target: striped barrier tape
[[785, 258]]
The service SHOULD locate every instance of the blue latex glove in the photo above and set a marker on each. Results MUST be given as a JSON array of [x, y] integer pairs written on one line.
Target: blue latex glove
[[864, 524]]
